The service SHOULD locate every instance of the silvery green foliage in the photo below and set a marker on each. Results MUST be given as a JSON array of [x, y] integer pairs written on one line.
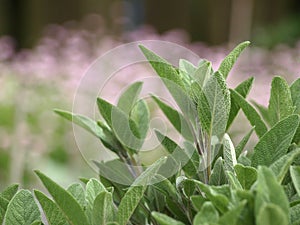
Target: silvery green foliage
[[215, 182]]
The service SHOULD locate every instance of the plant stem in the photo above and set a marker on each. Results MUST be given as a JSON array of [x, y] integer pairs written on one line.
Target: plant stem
[[208, 156]]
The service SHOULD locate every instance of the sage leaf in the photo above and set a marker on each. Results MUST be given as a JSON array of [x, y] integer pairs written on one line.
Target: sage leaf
[[268, 190], [52, 212], [78, 193], [271, 214], [207, 215], [243, 89], [103, 211], [246, 175], [241, 145], [129, 97], [295, 174], [274, 144], [218, 176], [164, 219], [214, 106], [230, 59], [176, 119], [22, 209], [9, 192], [228, 154], [135, 193], [103, 133], [93, 188], [251, 114], [66, 202], [280, 104], [281, 166]]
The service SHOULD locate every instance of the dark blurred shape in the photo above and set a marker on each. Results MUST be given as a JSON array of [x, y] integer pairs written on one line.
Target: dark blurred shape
[[210, 21]]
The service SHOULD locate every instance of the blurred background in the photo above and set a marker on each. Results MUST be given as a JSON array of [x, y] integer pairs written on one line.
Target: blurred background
[[45, 47]]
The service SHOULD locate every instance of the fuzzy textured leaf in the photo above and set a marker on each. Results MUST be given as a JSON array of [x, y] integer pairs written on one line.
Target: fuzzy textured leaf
[[243, 89], [207, 215], [214, 105], [270, 191], [175, 118], [228, 154], [103, 210], [274, 144], [281, 166], [129, 97], [251, 114], [78, 193], [241, 145], [271, 214], [218, 176], [295, 174], [52, 212], [66, 202], [231, 58], [280, 104], [22, 209], [246, 175], [135, 193], [163, 219]]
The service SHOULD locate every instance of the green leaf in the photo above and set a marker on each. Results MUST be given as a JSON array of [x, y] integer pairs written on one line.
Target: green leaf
[[268, 190], [141, 116], [175, 118], [103, 133], [198, 201], [9, 192], [78, 193], [207, 215], [264, 112], [220, 201], [214, 105], [103, 210], [52, 212], [162, 67], [3, 206], [178, 154], [295, 174], [135, 193], [231, 58], [22, 209], [165, 187], [243, 89], [117, 170], [186, 66], [66, 202], [241, 146], [280, 104], [228, 154], [295, 93], [271, 214], [123, 127], [233, 180], [174, 81], [246, 175], [218, 176], [294, 216], [203, 72], [231, 216], [93, 188], [129, 97], [274, 144], [281, 166], [250, 112], [163, 219]]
